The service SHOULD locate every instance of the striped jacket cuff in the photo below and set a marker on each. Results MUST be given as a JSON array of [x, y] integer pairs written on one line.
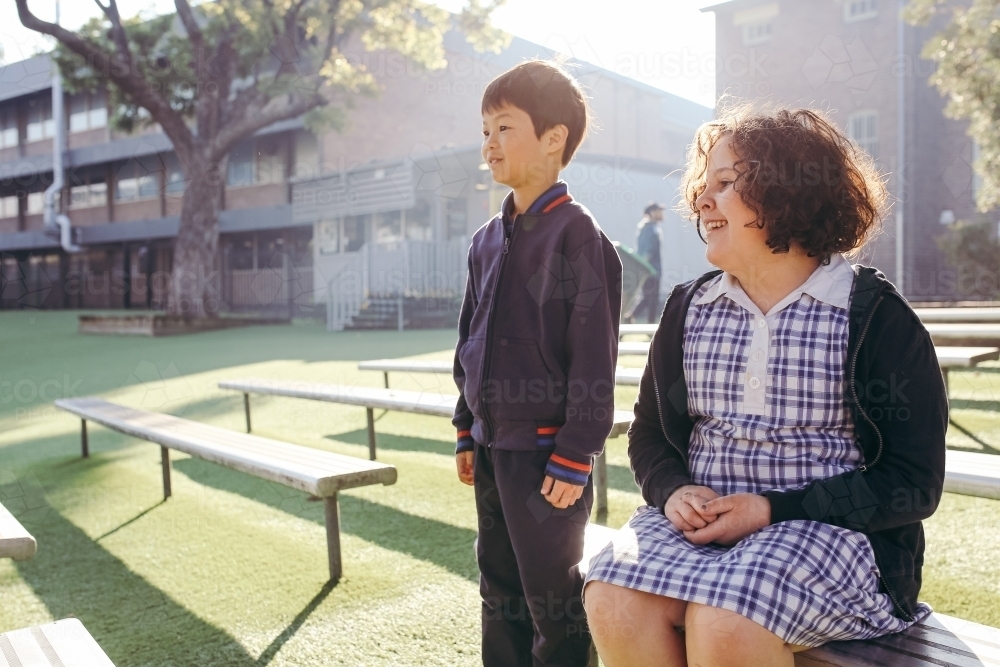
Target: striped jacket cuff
[[569, 470], [465, 442]]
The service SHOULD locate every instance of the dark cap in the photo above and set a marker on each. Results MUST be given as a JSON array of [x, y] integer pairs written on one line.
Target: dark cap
[[653, 206]]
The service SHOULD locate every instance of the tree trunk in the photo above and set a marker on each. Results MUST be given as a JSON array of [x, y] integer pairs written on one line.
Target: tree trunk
[[194, 281]]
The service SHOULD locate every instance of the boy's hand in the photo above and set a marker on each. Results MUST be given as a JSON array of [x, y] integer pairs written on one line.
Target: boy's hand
[[684, 507], [560, 494], [463, 461]]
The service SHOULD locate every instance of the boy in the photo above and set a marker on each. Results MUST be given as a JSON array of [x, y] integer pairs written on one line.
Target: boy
[[535, 367]]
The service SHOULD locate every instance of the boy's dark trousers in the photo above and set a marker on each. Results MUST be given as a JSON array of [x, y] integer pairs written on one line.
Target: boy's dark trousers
[[528, 553]]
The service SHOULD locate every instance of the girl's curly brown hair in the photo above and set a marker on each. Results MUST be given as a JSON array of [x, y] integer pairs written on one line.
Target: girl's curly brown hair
[[807, 183]]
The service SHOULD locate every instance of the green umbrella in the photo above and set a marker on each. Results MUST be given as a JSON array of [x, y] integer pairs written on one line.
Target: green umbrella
[[635, 270]]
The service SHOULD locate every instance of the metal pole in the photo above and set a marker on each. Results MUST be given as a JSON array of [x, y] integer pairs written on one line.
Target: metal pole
[[371, 434], [601, 482], [83, 439], [246, 409], [333, 537], [385, 374], [901, 71], [165, 463]]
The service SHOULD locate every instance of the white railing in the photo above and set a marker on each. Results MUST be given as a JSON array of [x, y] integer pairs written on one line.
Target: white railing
[[397, 269], [345, 291]]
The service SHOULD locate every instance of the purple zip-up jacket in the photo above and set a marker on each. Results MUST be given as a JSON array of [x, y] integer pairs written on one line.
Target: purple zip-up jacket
[[538, 335]]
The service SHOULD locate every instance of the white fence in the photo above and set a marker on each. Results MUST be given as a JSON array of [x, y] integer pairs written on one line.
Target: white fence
[[403, 268]]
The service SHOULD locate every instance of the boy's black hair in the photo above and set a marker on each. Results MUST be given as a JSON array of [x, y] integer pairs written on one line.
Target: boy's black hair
[[547, 93]]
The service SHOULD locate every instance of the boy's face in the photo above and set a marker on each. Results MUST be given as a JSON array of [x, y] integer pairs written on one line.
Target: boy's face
[[516, 157]]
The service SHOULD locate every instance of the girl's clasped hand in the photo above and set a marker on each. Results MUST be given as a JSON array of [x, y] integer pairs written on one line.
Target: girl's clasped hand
[[705, 517]]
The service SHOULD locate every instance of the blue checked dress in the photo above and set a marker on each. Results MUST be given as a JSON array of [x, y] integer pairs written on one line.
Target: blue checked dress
[[767, 396]]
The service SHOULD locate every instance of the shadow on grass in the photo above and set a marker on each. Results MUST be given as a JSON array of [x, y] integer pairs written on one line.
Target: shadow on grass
[[404, 443], [990, 449], [133, 621], [974, 404], [442, 544], [272, 650]]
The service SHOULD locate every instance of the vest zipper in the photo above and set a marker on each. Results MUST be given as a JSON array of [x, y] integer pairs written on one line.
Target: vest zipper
[[488, 357]]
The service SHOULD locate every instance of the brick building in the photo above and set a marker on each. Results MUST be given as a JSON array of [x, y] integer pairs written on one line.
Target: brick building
[[406, 171], [859, 61]]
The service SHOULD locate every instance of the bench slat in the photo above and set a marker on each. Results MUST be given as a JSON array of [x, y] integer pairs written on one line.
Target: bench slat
[[314, 471], [439, 405], [623, 376], [67, 641], [15, 542]]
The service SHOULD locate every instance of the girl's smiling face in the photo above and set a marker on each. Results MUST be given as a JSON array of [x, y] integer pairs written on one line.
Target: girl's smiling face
[[727, 223]]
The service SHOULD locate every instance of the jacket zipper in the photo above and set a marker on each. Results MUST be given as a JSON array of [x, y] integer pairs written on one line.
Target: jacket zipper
[[489, 332], [866, 466], [854, 389]]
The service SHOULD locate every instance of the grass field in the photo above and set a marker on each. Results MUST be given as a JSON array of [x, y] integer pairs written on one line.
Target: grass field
[[231, 570]]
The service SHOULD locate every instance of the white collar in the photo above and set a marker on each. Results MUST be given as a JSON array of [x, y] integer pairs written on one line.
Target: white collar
[[830, 284]]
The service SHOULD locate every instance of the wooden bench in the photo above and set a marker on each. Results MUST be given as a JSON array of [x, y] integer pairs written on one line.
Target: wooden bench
[[939, 640], [964, 334], [624, 376], [419, 402], [65, 643], [15, 541], [320, 473], [969, 315], [948, 357]]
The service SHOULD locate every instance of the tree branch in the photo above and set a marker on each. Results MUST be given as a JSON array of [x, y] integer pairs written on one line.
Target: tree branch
[[257, 118], [190, 25], [125, 78]]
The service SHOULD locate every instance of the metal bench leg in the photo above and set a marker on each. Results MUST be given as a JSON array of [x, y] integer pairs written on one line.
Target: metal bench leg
[[84, 445], [601, 482], [246, 409], [386, 375], [165, 462], [371, 434], [333, 537]]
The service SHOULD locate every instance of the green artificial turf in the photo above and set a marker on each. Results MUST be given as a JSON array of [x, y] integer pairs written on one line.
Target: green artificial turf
[[231, 570]]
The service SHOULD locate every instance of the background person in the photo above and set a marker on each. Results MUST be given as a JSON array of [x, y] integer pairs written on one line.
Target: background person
[[648, 247]]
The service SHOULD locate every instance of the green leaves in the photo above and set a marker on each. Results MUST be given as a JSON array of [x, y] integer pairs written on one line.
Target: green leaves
[[967, 53], [278, 48]]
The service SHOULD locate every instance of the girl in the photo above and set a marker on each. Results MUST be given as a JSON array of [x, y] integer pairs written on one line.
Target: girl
[[789, 429]]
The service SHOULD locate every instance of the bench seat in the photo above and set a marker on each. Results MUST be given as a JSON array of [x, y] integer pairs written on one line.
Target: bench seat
[[419, 402], [939, 640], [65, 643], [313, 471], [15, 542]]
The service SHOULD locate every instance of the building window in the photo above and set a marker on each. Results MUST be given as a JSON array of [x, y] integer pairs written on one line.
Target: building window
[[88, 195], [8, 207], [87, 111], [354, 233], [175, 175], [40, 123], [239, 169], [137, 181], [859, 10], [36, 203], [8, 126], [756, 33], [862, 128], [456, 218], [756, 23], [270, 154]]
